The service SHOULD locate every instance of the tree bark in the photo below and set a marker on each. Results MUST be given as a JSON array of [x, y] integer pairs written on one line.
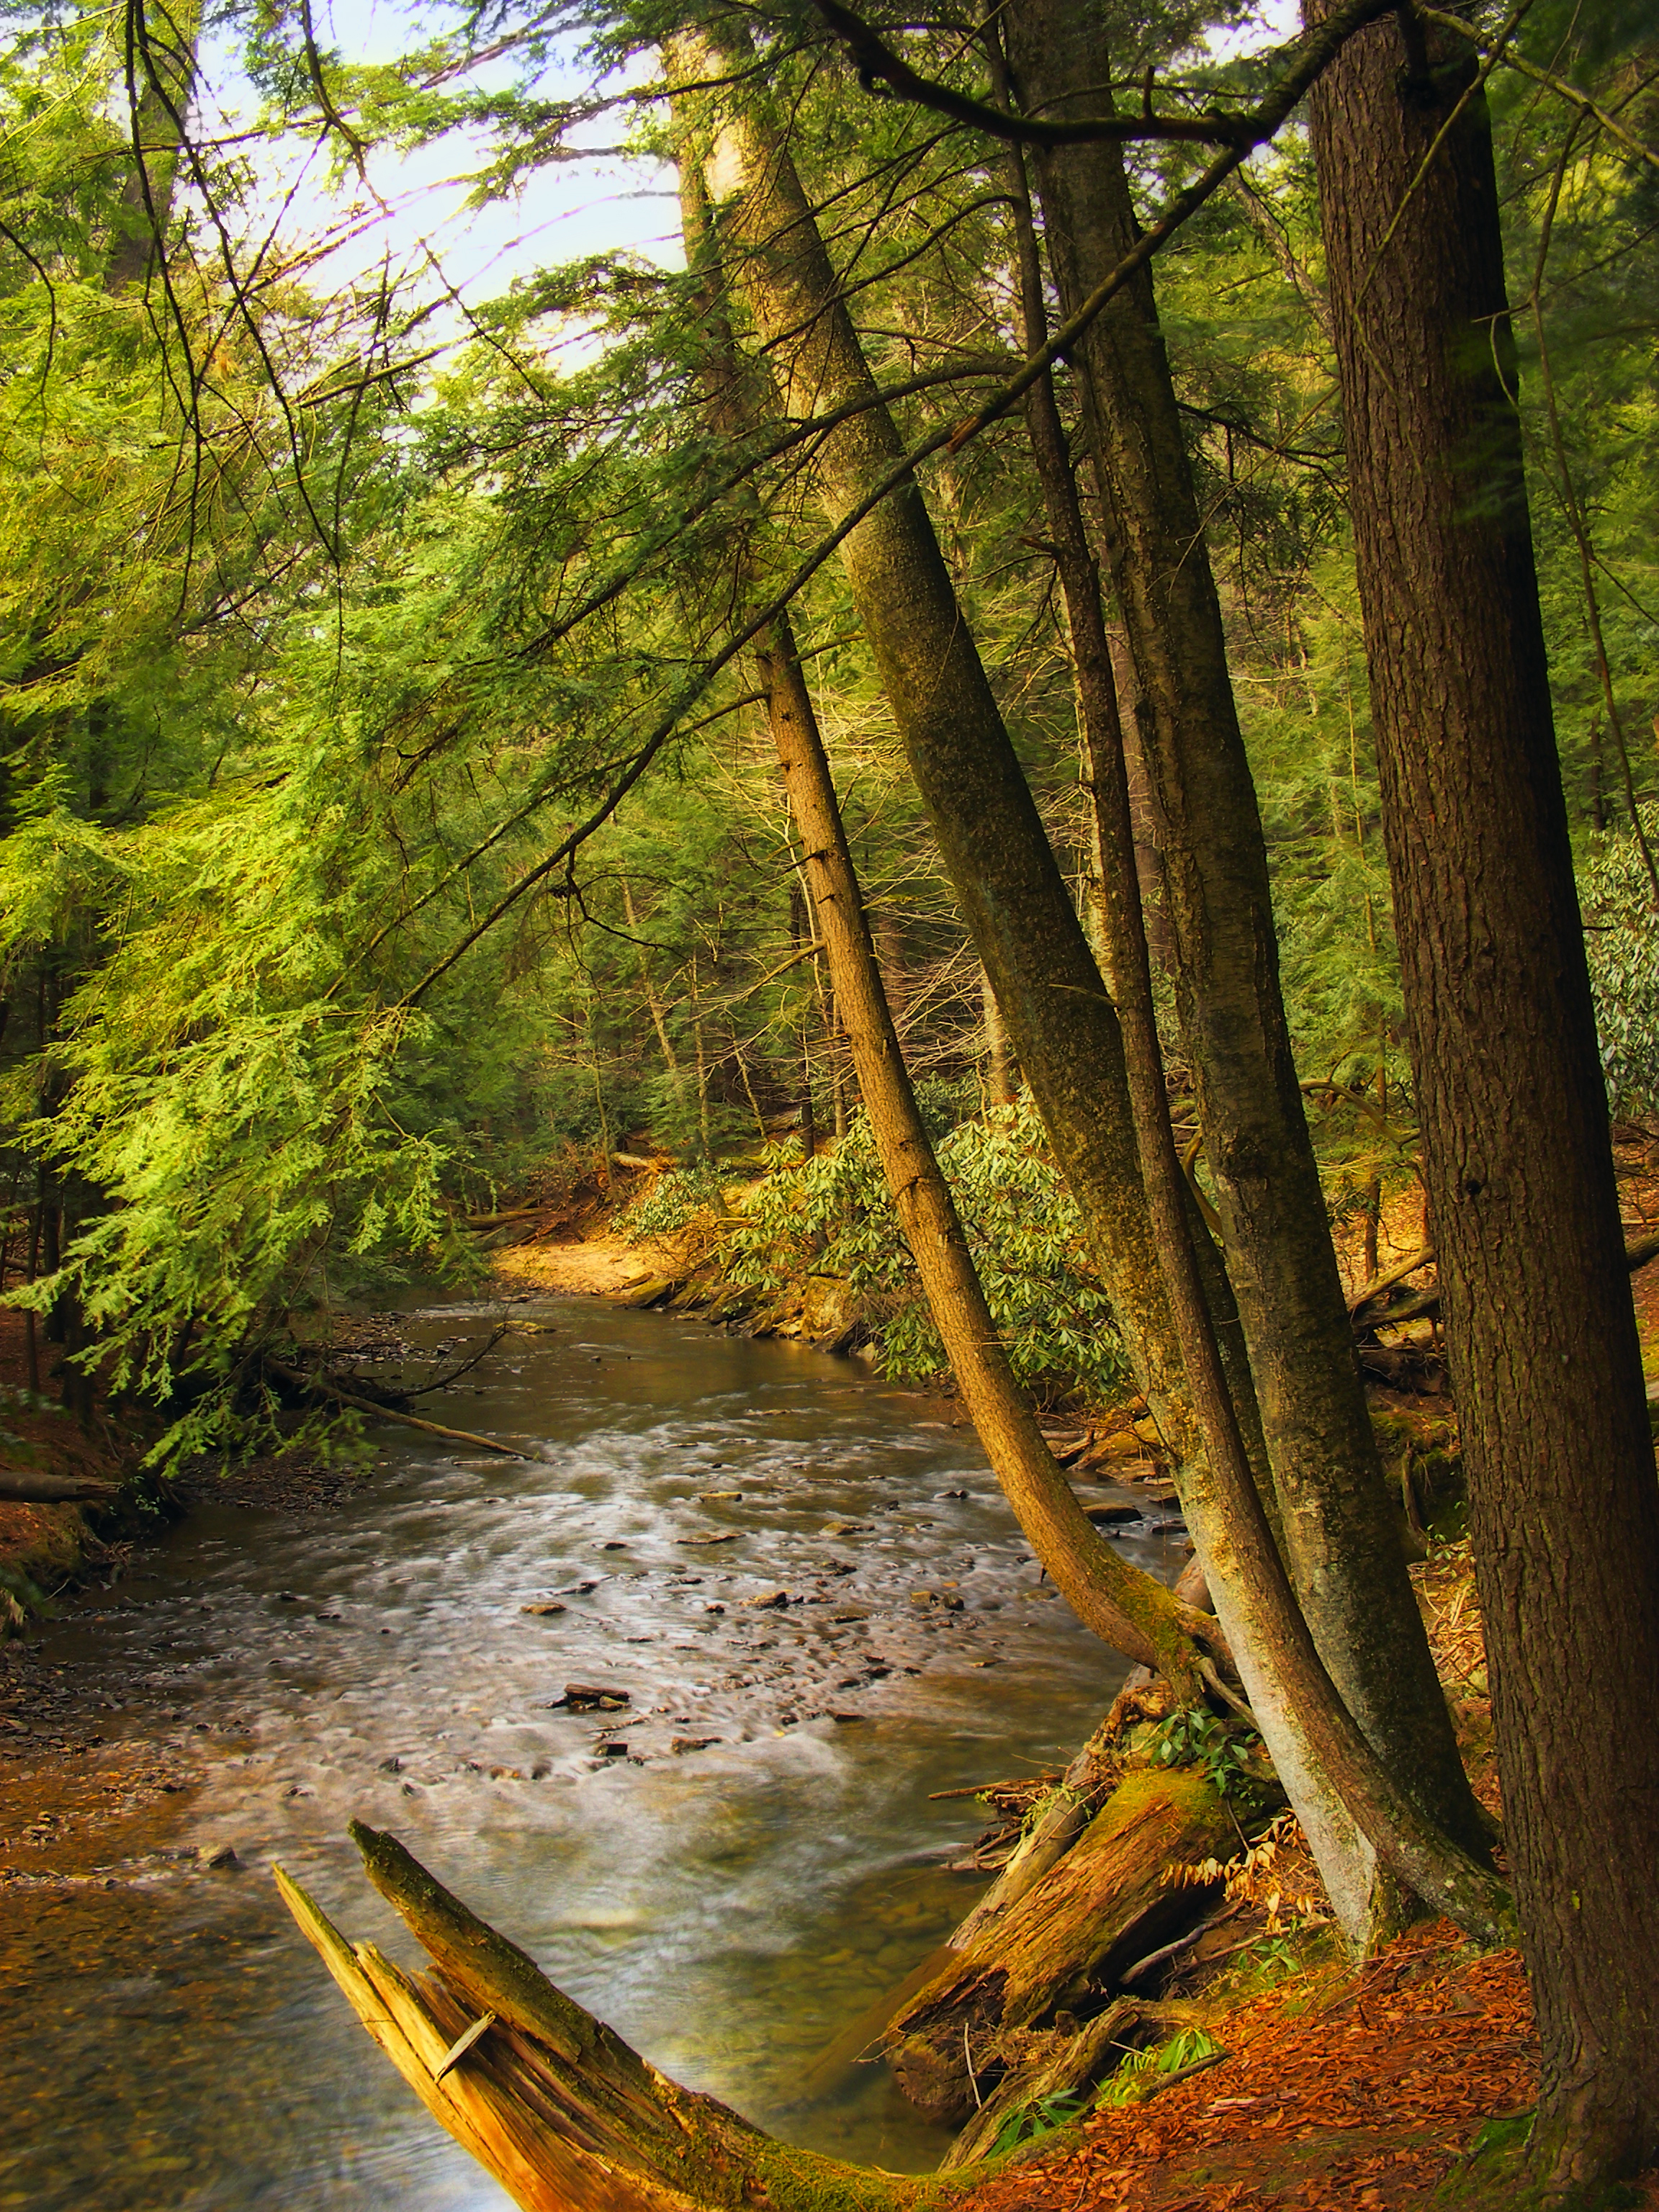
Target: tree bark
[[1027, 932], [1102, 1908], [1125, 1607], [999, 1067], [1516, 1155], [565, 2115], [1338, 1520], [159, 93]]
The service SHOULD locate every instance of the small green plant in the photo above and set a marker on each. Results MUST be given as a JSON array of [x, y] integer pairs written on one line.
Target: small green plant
[[1135, 2074], [1041, 2119], [1195, 1738]]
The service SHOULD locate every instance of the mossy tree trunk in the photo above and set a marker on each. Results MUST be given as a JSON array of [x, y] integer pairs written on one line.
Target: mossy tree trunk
[[1104, 1906]]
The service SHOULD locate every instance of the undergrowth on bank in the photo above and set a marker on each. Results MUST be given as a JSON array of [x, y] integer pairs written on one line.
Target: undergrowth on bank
[[832, 1218]]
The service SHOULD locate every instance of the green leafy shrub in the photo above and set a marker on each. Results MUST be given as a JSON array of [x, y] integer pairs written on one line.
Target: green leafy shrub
[[1622, 938], [834, 1217], [674, 1200], [1195, 1738]]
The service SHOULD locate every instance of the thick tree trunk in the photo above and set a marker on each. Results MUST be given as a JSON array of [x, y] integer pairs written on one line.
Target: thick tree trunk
[[1014, 897], [998, 1061], [1338, 1523], [1518, 1161]]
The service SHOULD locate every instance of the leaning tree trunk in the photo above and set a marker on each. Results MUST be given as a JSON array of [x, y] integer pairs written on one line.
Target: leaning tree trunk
[[1018, 910], [1339, 1523], [1516, 1157], [1127, 1608]]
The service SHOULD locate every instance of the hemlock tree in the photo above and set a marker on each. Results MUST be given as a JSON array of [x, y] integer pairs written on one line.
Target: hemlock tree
[[1339, 1524], [1518, 1162], [1024, 924]]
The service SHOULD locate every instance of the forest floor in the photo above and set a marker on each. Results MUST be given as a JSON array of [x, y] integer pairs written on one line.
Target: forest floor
[[1358, 2087]]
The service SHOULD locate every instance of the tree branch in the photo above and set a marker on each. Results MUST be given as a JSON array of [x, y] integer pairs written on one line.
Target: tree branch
[[878, 64]]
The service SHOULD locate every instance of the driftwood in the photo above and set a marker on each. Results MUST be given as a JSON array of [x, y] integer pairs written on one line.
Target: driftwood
[[566, 2116], [319, 1388], [1101, 1908]]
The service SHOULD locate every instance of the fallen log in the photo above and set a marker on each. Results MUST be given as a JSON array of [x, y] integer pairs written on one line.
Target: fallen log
[[1070, 1807], [1103, 1906], [319, 1387], [1059, 2064], [18, 1487], [1367, 1316], [565, 2115], [1081, 1791]]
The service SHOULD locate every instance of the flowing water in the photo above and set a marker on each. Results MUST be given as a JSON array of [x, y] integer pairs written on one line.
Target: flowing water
[[730, 1870]]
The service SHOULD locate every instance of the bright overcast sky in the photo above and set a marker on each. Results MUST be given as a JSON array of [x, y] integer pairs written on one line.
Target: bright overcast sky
[[416, 206], [567, 210]]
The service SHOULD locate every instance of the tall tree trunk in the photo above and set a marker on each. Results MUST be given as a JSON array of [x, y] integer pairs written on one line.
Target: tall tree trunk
[[1014, 897], [1018, 910], [1143, 805], [999, 1064], [1127, 1608], [801, 932], [1516, 1157], [1133, 1613], [653, 1000], [1339, 1521]]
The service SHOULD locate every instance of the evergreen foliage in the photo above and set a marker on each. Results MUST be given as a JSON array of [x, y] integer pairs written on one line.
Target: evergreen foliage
[[382, 805]]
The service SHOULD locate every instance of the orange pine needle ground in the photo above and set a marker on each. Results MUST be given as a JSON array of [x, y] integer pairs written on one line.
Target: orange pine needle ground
[[1350, 2089]]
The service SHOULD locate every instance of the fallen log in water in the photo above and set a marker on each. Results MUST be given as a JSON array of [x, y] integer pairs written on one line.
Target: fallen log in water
[[319, 1386], [565, 2115], [1102, 1907]]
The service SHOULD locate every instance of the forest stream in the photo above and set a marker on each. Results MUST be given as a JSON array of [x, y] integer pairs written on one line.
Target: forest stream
[[730, 1869]]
